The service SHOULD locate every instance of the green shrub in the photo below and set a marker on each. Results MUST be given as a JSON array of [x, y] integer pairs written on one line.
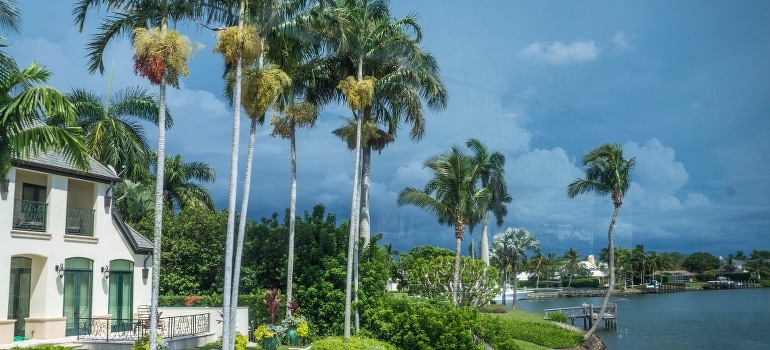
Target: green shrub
[[421, 324], [355, 343], [241, 340], [143, 343], [581, 283], [494, 309], [558, 317]]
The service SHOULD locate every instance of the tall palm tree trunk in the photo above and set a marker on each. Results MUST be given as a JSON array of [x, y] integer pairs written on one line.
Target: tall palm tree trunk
[[227, 341], [354, 211], [515, 282], [611, 266], [485, 239], [366, 171], [242, 228], [292, 220], [158, 225], [459, 230]]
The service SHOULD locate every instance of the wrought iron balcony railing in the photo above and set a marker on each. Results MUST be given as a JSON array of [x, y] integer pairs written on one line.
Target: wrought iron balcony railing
[[29, 215], [80, 221]]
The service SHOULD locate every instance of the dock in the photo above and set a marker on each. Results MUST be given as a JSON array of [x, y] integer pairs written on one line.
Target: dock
[[729, 284], [568, 293], [665, 288], [588, 313]]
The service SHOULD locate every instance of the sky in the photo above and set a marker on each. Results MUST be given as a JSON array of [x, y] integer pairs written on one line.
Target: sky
[[683, 86]]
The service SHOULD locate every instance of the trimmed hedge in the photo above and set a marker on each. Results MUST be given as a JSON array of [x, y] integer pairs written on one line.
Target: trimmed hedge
[[354, 343]]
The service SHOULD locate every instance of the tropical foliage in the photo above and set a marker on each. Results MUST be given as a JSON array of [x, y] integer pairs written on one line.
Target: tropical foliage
[[451, 196]]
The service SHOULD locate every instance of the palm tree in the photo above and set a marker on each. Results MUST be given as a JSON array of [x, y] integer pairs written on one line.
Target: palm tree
[[154, 47], [451, 196], [403, 83], [639, 262], [510, 246], [492, 166], [35, 118], [134, 200], [362, 30], [181, 184], [607, 173], [571, 264], [113, 130], [10, 16]]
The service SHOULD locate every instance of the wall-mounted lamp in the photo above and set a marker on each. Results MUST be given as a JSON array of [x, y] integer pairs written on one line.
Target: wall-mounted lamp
[[59, 270], [107, 201], [4, 185], [106, 272]]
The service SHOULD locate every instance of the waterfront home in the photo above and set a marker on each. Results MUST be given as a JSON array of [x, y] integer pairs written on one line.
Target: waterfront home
[[67, 254], [678, 276], [598, 271]]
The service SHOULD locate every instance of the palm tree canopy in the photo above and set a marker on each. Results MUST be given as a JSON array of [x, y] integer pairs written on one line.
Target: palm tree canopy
[[451, 195], [179, 187], [125, 16], [510, 246], [492, 168], [36, 118], [607, 172], [10, 16], [113, 130]]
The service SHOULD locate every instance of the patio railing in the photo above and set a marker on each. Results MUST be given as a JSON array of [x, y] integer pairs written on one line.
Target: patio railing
[[130, 330]]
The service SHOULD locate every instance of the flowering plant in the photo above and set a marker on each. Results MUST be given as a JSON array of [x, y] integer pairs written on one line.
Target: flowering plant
[[292, 321], [263, 332], [303, 330]]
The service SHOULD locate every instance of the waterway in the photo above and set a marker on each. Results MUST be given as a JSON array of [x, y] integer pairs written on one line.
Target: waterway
[[709, 319]]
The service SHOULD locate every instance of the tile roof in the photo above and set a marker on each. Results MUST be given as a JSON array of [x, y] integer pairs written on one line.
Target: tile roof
[[56, 162], [139, 243]]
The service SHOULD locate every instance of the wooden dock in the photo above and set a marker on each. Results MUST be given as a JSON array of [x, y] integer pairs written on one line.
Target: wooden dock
[[568, 293], [665, 288], [728, 284], [588, 313]]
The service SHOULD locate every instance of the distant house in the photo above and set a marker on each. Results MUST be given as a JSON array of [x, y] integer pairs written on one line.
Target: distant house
[[678, 276], [67, 255], [598, 272]]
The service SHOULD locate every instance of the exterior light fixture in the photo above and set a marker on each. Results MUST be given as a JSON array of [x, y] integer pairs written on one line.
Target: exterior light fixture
[[59, 270], [4, 185], [107, 201], [106, 272]]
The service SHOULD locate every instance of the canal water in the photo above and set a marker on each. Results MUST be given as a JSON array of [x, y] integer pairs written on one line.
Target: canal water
[[709, 319]]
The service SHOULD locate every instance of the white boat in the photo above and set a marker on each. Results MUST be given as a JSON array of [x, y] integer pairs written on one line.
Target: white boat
[[520, 294]]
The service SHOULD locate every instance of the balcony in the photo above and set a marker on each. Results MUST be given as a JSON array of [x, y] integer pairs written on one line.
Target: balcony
[[29, 215], [80, 221]]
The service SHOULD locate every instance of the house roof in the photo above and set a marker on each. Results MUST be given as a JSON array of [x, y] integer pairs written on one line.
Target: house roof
[[55, 162], [139, 243]]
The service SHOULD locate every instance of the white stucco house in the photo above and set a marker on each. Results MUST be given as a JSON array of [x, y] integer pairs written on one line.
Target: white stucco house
[[65, 252]]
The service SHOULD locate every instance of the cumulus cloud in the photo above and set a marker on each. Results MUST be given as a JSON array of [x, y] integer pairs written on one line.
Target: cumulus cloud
[[621, 42], [558, 53], [696, 200], [657, 173]]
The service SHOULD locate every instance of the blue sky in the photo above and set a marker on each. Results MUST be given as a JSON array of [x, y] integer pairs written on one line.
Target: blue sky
[[684, 86]]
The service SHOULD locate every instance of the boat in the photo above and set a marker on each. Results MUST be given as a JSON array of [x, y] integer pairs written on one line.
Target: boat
[[520, 294]]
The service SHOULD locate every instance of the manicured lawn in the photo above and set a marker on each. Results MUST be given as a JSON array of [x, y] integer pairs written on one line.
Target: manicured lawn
[[533, 318]]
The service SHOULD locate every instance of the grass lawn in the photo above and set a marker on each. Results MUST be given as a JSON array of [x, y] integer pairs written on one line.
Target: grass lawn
[[528, 317]]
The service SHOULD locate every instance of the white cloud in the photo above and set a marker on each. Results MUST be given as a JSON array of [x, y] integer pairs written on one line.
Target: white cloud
[[621, 42], [558, 53], [657, 173], [696, 200]]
